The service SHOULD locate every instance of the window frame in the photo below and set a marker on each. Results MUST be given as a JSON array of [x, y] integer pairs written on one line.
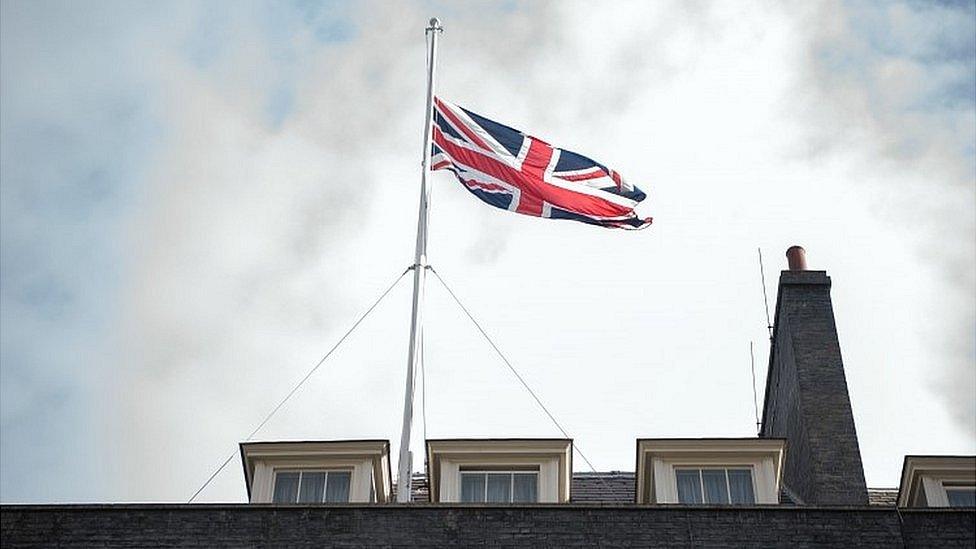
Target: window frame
[[510, 471], [325, 486], [701, 481], [958, 486]]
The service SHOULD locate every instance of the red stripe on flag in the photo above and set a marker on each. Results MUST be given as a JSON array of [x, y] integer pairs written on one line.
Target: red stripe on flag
[[483, 185], [534, 190], [582, 176]]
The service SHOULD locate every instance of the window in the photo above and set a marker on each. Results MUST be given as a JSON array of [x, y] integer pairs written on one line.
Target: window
[[311, 486], [499, 471], [961, 496], [499, 486], [715, 486], [317, 471], [709, 471]]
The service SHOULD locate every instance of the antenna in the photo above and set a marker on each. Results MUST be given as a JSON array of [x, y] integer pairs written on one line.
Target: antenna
[[755, 397], [762, 275]]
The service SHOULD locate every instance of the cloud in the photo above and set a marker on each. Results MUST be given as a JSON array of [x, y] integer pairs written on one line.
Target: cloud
[[252, 213], [897, 84], [73, 149]]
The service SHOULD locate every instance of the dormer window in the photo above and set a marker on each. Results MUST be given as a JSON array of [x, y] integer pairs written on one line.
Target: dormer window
[[938, 481], [499, 470], [715, 485], [353, 471], [499, 486], [311, 486], [709, 471]]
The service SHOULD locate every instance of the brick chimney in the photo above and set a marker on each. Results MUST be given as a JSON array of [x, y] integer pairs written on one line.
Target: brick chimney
[[806, 393]]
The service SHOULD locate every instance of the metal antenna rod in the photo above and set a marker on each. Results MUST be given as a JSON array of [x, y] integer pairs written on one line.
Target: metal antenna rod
[[762, 274], [755, 397], [419, 277]]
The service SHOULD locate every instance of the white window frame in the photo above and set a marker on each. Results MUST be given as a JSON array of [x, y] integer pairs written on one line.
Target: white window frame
[[511, 486], [936, 488], [301, 471], [763, 476], [728, 487]]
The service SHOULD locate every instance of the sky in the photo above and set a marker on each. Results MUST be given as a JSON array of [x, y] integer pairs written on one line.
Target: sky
[[197, 199]]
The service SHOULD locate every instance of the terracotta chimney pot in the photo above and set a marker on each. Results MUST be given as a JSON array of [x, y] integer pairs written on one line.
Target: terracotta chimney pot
[[796, 256]]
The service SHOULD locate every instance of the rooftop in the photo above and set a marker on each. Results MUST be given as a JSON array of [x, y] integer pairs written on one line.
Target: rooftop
[[618, 487]]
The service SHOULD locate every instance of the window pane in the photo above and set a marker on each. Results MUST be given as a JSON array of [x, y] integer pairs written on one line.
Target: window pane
[[337, 490], [312, 486], [961, 497], [286, 488], [689, 487], [525, 488], [499, 488], [473, 487], [713, 480], [740, 486]]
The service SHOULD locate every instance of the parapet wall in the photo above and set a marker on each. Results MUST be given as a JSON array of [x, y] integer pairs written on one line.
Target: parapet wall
[[419, 525]]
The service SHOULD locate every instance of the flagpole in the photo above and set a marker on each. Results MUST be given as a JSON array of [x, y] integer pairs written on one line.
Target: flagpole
[[419, 276]]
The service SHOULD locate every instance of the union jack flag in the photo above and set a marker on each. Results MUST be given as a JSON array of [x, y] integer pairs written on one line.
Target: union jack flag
[[520, 173]]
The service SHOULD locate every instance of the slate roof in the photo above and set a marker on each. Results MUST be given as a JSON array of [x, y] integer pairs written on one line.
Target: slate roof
[[618, 487], [611, 487], [885, 497]]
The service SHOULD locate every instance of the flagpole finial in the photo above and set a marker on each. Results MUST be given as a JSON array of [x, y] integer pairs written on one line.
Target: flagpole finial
[[434, 25]]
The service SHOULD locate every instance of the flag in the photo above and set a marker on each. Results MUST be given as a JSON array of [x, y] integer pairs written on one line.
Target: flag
[[520, 173]]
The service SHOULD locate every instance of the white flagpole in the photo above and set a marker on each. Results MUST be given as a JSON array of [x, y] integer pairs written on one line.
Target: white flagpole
[[419, 275]]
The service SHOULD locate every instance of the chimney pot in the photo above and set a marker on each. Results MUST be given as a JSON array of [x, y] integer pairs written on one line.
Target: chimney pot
[[796, 257]]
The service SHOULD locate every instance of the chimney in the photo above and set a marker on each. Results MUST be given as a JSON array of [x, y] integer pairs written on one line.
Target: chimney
[[806, 401]]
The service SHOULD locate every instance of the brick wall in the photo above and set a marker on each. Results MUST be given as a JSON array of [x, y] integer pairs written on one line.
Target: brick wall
[[492, 526], [807, 401]]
